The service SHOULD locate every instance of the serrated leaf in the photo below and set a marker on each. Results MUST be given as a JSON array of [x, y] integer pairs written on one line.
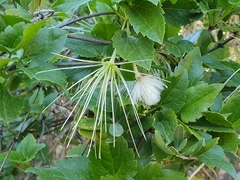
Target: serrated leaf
[[232, 107], [215, 157], [10, 106], [117, 161], [45, 43], [66, 169], [173, 97], [199, 99], [148, 19], [134, 48], [207, 126], [68, 5], [166, 122], [29, 148], [193, 64], [217, 118]]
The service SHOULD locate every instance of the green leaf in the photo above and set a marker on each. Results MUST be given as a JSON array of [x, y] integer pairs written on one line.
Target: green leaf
[[25, 3], [193, 64], [145, 151], [116, 129], [179, 48], [11, 36], [180, 13], [29, 33], [117, 161], [105, 31], [149, 171], [160, 143], [232, 107], [229, 141], [33, 5], [76, 151], [217, 118], [166, 123], [29, 148], [10, 106], [66, 169], [193, 149], [170, 98], [68, 5], [153, 171], [205, 125], [14, 156], [136, 49], [179, 135], [204, 41], [87, 49], [215, 157], [233, 1], [10, 20], [199, 99], [36, 71], [45, 43], [172, 175], [213, 62], [148, 19]]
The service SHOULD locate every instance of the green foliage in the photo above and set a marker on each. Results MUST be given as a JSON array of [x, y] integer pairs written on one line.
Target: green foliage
[[133, 97]]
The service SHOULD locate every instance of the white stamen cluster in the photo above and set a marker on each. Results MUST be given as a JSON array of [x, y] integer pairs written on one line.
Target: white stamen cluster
[[147, 90]]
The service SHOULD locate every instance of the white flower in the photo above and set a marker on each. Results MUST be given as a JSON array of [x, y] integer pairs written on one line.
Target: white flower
[[147, 90]]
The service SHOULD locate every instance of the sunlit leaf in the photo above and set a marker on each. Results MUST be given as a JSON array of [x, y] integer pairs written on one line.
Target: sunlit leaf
[[148, 19], [137, 48], [29, 148], [199, 98]]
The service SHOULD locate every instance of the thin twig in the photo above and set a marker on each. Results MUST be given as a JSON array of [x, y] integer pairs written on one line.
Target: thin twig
[[85, 17], [221, 45], [19, 132], [82, 38], [196, 171]]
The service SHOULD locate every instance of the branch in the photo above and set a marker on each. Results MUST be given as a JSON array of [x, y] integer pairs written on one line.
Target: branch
[[221, 45], [89, 39], [85, 17]]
